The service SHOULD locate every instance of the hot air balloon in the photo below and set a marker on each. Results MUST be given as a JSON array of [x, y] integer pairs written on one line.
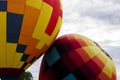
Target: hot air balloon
[[27, 29], [76, 57]]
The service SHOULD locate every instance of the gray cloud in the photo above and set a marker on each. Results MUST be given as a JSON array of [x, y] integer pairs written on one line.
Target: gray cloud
[[116, 1], [106, 10], [113, 51], [112, 16]]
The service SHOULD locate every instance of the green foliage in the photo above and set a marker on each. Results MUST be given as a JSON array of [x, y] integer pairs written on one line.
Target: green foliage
[[25, 76]]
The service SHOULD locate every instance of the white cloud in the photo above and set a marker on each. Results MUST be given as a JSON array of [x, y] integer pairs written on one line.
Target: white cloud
[[106, 10]]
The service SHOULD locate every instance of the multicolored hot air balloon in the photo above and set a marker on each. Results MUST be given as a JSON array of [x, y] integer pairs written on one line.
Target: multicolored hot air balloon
[[75, 57], [27, 29]]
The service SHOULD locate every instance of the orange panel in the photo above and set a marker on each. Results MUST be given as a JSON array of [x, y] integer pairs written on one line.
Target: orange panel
[[29, 23], [29, 20], [36, 53], [23, 39], [44, 48], [83, 54], [16, 6], [31, 46], [17, 1], [29, 58]]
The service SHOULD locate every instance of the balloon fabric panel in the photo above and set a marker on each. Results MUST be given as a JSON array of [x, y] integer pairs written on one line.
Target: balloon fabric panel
[[14, 22], [36, 4], [17, 7], [27, 29], [3, 39], [3, 6]]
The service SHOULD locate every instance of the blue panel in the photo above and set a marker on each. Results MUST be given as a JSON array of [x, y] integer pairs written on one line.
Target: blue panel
[[3, 5], [24, 57], [52, 56], [21, 48], [14, 22], [70, 77]]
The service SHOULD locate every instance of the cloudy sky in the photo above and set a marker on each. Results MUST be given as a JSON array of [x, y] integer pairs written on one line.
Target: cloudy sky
[[98, 20]]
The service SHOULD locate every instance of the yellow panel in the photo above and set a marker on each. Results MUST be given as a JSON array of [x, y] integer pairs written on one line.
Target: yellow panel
[[20, 64], [113, 68], [87, 40], [46, 39], [11, 51], [95, 49], [40, 45], [108, 68], [2, 39], [102, 57], [92, 50], [2, 22], [43, 20], [2, 55], [34, 3], [17, 59]]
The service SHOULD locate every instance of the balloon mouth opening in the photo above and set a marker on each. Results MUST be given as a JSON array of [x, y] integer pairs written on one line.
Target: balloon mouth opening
[[10, 72]]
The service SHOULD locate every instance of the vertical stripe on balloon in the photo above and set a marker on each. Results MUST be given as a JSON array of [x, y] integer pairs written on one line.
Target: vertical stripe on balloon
[[14, 22], [16, 59], [28, 25], [3, 39], [3, 5], [11, 51], [54, 17]]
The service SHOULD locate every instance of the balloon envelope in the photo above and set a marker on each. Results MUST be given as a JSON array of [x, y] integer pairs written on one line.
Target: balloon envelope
[[75, 57], [27, 29]]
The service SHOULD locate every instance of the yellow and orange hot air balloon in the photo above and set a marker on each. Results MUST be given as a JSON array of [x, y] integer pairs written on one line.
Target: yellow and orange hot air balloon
[[27, 29]]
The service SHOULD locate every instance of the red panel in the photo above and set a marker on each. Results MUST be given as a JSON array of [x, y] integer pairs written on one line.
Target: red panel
[[76, 58], [54, 17], [98, 62], [69, 63], [10, 72], [94, 67], [50, 2], [102, 75], [82, 42], [83, 54], [113, 76]]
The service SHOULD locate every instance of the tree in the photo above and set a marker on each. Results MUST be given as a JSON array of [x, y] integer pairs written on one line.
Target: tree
[[25, 76]]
